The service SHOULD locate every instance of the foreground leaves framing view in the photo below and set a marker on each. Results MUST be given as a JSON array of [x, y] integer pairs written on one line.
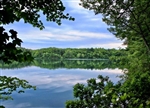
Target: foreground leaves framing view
[[11, 84], [128, 20], [30, 11]]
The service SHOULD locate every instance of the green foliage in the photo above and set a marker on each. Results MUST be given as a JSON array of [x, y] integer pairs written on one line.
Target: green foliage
[[2, 106], [127, 19], [8, 49], [29, 11], [97, 94], [79, 53], [11, 84], [130, 92], [124, 18]]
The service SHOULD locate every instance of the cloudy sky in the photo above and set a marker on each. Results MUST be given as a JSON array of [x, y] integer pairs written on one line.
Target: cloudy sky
[[86, 31]]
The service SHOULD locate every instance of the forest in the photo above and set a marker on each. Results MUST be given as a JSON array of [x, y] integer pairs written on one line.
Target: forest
[[86, 58], [78, 53]]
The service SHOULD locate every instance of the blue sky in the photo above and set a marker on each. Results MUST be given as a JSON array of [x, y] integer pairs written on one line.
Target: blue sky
[[86, 31]]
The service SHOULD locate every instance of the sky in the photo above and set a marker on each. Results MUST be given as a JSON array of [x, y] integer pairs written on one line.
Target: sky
[[87, 31]]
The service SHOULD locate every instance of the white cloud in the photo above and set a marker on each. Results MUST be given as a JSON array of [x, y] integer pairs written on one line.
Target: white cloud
[[40, 36], [75, 7], [66, 33], [61, 35], [116, 45], [88, 34], [95, 19]]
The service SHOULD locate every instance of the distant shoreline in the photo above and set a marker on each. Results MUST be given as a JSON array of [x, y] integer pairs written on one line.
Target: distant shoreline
[[85, 59]]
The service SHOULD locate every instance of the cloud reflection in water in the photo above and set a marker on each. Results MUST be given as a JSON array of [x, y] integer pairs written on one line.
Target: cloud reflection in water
[[54, 87]]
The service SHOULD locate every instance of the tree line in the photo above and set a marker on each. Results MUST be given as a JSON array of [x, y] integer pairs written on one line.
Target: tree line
[[78, 53]]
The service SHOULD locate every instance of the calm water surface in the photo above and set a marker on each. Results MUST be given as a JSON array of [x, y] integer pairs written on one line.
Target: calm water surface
[[54, 87]]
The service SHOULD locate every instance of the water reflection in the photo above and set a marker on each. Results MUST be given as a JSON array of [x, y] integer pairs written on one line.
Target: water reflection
[[54, 87]]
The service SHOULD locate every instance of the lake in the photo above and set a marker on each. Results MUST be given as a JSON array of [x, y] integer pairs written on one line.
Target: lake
[[54, 86]]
